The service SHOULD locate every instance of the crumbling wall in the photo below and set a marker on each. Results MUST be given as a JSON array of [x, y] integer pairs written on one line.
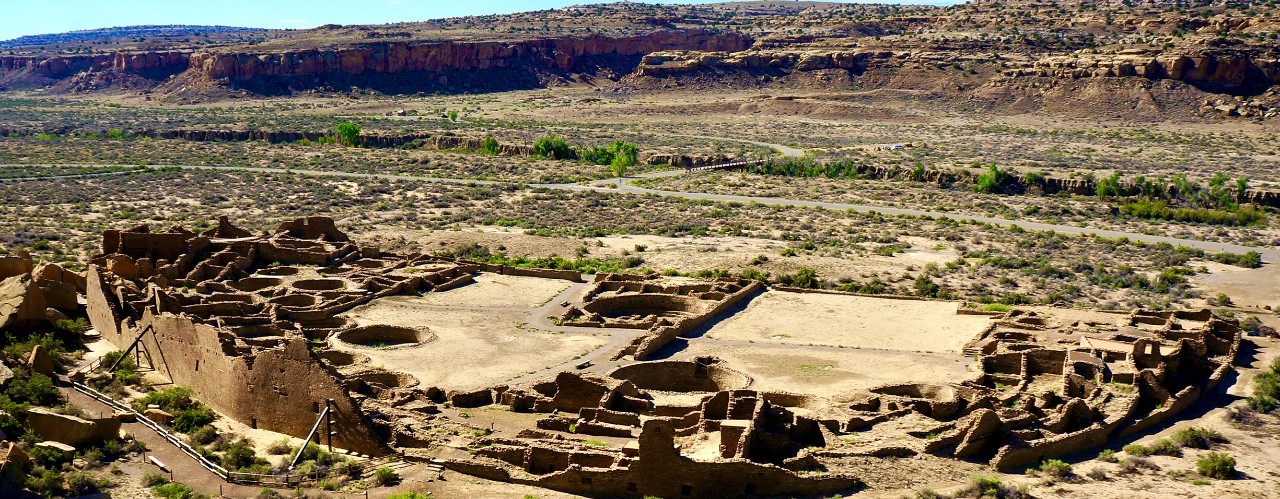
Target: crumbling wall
[[281, 389]]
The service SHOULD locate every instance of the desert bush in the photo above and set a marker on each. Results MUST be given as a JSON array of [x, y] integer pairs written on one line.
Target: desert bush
[[1197, 438], [152, 479], [1135, 464], [190, 419], [1056, 468], [1097, 474], [279, 447], [203, 435], [1165, 447], [1216, 465], [175, 490], [171, 400], [414, 495], [1138, 450], [990, 181], [1108, 456], [268, 493], [49, 483], [81, 484], [385, 476]]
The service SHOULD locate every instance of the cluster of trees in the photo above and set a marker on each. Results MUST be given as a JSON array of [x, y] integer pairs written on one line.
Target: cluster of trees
[[618, 156]]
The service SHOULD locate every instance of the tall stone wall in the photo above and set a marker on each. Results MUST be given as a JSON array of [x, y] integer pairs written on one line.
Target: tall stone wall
[[280, 389]]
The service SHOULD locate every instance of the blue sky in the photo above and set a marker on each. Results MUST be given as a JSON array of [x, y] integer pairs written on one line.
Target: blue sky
[[34, 17]]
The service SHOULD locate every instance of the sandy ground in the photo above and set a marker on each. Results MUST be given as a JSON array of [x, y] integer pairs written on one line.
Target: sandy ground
[[1250, 288], [482, 333], [829, 372], [852, 321], [494, 290]]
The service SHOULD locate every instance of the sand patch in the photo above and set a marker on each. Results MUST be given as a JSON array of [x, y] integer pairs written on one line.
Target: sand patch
[[473, 348], [851, 321]]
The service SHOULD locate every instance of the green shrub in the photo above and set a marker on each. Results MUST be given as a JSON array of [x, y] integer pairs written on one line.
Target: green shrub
[[415, 495], [1108, 456], [50, 483], [327, 484], [190, 419], [990, 182], [1197, 438], [385, 476], [1056, 468], [33, 389], [239, 455], [552, 146], [80, 484], [1216, 465], [152, 479], [203, 435], [1138, 450], [172, 400], [175, 490], [49, 458], [1165, 447]]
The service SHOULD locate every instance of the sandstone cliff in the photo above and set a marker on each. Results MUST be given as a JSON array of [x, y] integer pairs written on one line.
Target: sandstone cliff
[[560, 54]]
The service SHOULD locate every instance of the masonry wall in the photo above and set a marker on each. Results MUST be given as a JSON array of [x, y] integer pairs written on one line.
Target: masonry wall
[[282, 389]]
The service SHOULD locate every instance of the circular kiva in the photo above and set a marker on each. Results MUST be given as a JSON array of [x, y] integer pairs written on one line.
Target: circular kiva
[[319, 284], [381, 336], [682, 376]]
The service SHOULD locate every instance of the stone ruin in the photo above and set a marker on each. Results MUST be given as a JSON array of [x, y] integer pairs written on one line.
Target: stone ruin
[[249, 322]]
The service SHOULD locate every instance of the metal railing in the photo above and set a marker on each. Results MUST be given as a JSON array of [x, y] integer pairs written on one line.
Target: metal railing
[[286, 480], [694, 169]]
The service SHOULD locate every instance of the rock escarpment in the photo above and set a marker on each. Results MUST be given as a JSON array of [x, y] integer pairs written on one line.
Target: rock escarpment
[[561, 54]]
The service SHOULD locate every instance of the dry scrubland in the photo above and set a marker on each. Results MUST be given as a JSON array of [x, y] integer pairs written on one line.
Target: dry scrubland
[[59, 220], [909, 339]]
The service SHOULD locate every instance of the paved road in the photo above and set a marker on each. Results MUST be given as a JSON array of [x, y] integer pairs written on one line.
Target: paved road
[[1269, 255]]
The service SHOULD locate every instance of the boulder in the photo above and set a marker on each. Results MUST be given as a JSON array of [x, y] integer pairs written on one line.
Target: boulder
[[66, 450], [6, 374], [54, 272], [14, 463], [40, 361], [158, 416], [22, 304], [71, 430]]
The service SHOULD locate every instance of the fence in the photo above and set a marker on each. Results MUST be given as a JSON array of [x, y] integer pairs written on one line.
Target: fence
[[286, 480], [735, 164]]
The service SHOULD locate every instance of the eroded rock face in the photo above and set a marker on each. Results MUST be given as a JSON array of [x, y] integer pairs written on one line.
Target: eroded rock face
[[1225, 70], [554, 53]]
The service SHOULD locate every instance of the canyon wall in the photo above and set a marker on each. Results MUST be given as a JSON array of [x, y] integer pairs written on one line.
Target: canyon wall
[[560, 54], [57, 66]]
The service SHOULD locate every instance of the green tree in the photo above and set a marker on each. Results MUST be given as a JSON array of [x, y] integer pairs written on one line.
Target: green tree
[[491, 146], [453, 115], [348, 134], [552, 146], [624, 156], [990, 181]]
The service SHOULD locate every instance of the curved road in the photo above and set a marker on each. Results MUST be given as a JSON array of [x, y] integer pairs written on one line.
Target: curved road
[[1270, 255]]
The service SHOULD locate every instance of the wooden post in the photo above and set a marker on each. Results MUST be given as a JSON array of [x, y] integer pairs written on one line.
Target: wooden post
[[328, 425]]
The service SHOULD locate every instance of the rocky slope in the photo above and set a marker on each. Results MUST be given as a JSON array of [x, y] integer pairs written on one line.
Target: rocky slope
[[1216, 59]]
